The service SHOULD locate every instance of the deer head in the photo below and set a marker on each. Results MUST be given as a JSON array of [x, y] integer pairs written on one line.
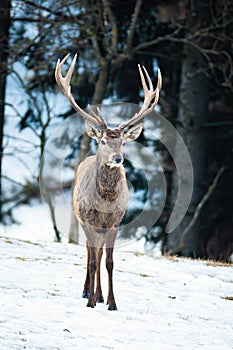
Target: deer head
[[110, 141]]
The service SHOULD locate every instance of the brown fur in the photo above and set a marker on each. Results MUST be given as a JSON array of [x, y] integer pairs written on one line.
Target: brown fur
[[100, 198], [107, 182], [116, 133], [100, 195]]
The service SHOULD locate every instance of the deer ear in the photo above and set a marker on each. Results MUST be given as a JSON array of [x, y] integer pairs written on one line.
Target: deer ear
[[133, 132], [93, 132]]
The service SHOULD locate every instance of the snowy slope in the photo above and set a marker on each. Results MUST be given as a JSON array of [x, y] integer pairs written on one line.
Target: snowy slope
[[162, 304]]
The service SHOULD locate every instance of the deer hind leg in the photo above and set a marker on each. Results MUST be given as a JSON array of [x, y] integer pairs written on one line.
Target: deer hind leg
[[86, 288], [98, 293], [109, 265]]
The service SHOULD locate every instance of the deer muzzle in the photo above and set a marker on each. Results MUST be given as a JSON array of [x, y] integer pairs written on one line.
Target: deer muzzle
[[116, 160]]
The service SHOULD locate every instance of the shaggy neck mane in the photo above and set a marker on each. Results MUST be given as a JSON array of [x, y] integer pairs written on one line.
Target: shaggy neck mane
[[107, 182]]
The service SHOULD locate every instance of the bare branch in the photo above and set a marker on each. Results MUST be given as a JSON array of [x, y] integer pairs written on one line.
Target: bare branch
[[21, 140], [114, 31], [13, 181], [197, 213], [133, 23], [96, 49]]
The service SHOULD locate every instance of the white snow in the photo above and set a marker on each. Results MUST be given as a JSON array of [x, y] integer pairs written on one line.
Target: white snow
[[162, 303]]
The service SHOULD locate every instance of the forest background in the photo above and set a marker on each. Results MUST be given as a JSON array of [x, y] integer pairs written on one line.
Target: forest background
[[190, 41]]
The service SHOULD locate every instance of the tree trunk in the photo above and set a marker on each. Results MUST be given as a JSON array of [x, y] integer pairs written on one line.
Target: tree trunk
[[4, 53], [100, 89], [193, 111], [168, 102]]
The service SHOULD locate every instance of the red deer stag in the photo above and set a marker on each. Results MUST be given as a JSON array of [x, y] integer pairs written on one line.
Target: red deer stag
[[100, 195]]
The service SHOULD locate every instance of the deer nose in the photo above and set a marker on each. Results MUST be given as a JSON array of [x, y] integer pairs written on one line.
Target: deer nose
[[118, 159]]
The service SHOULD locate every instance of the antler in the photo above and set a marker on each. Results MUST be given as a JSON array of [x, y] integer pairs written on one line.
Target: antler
[[151, 96], [64, 85]]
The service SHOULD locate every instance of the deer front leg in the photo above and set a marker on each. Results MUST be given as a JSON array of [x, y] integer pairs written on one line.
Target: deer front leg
[[86, 288], [109, 265], [92, 271], [98, 293]]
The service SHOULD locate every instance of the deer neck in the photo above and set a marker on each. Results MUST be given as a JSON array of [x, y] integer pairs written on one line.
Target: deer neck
[[108, 182]]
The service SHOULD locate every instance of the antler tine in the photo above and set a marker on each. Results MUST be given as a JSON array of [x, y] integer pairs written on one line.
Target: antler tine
[[65, 87], [98, 116], [151, 97]]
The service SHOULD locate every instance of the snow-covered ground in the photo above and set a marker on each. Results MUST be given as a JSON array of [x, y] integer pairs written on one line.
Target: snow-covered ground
[[162, 303]]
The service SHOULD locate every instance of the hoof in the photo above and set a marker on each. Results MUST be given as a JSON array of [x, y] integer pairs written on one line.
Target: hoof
[[112, 307], [99, 299], [90, 304], [111, 303], [85, 295]]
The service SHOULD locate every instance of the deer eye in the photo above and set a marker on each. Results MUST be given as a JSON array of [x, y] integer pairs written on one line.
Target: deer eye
[[103, 142]]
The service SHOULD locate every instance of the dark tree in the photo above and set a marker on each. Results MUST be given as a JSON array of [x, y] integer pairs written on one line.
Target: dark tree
[[192, 44], [5, 7], [206, 84]]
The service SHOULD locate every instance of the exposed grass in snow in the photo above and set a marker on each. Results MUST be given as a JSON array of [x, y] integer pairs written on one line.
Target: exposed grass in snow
[[163, 303]]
